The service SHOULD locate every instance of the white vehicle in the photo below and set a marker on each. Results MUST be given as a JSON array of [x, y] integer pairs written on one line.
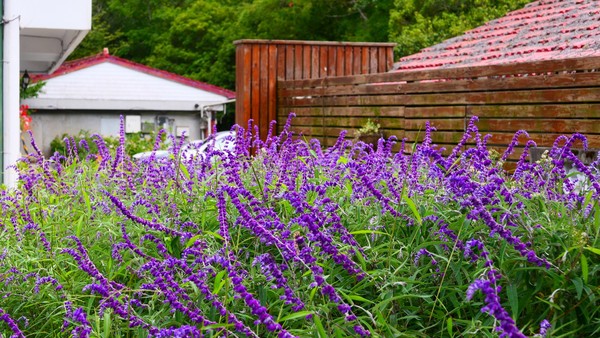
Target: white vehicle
[[222, 141]]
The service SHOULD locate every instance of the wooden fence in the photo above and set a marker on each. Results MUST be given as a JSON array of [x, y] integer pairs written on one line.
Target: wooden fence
[[546, 98], [260, 64]]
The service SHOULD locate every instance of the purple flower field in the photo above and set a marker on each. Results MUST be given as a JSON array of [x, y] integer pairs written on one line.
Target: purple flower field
[[282, 238]]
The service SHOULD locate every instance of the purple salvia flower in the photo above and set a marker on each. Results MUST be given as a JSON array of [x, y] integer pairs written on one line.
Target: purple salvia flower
[[512, 144], [45, 280], [507, 327], [147, 223], [361, 331], [5, 317], [544, 326], [224, 226], [471, 129], [75, 150], [83, 144]]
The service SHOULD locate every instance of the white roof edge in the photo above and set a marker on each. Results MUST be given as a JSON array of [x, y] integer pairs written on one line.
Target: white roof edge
[[127, 105], [70, 48]]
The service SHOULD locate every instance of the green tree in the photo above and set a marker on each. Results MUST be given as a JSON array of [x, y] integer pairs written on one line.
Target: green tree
[[199, 43], [416, 24]]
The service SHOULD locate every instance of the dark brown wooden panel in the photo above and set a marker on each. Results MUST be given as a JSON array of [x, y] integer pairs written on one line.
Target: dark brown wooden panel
[[348, 62], [262, 65], [298, 62], [541, 125], [340, 61], [255, 83], [582, 110], [271, 92], [289, 62], [544, 69], [472, 98], [373, 112], [349, 122], [262, 119], [365, 64], [439, 124], [331, 61], [441, 111], [578, 80], [306, 62]]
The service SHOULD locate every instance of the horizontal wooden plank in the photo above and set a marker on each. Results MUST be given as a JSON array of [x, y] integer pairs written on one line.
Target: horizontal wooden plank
[[539, 125], [441, 111], [537, 67], [437, 137], [541, 139], [372, 112], [439, 124], [501, 97], [348, 122], [459, 85], [583, 110]]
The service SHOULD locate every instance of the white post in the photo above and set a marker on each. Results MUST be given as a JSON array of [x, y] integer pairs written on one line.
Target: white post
[[11, 64]]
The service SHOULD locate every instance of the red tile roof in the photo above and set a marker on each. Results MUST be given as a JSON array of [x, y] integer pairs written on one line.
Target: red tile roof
[[543, 30], [75, 65]]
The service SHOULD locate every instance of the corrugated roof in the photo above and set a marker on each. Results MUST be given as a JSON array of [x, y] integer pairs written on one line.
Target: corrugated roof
[[542, 30], [75, 65]]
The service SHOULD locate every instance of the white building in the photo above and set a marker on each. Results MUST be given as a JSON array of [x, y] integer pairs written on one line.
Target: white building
[[38, 35], [90, 94]]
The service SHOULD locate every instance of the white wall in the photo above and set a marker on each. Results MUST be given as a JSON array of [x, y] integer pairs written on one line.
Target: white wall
[[107, 86], [46, 125], [55, 14]]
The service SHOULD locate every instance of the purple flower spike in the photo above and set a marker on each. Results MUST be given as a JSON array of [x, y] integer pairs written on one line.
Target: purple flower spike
[[544, 326], [5, 317], [507, 327], [361, 331]]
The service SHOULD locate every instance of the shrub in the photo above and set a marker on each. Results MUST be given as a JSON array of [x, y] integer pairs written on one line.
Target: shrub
[[297, 240], [134, 143]]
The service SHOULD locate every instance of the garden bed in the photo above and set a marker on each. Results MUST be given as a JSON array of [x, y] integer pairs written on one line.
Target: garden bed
[[302, 241]]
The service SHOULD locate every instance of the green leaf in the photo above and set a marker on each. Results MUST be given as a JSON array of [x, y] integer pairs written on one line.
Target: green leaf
[[312, 293], [362, 232], [594, 250], [349, 187], [413, 208], [584, 268], [296, 315], [219, 282], [216, 326], [184, 170], [513, 299], [342, 160], [361, 259], [86, 198], [107, 324], [359, 298], [192, 240], [449, 326], [214, 234], [578, 286], [320, 327], [79, 226], [588, 198]]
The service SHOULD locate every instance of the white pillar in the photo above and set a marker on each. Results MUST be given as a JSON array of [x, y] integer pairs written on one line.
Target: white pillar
[[11, 64]]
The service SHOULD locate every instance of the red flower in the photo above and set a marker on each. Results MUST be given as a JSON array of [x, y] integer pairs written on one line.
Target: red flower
[[25, 118]]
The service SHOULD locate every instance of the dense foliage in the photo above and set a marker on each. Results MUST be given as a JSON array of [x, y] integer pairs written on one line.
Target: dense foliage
[[297, 240], [195, 38], [83, 143]]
